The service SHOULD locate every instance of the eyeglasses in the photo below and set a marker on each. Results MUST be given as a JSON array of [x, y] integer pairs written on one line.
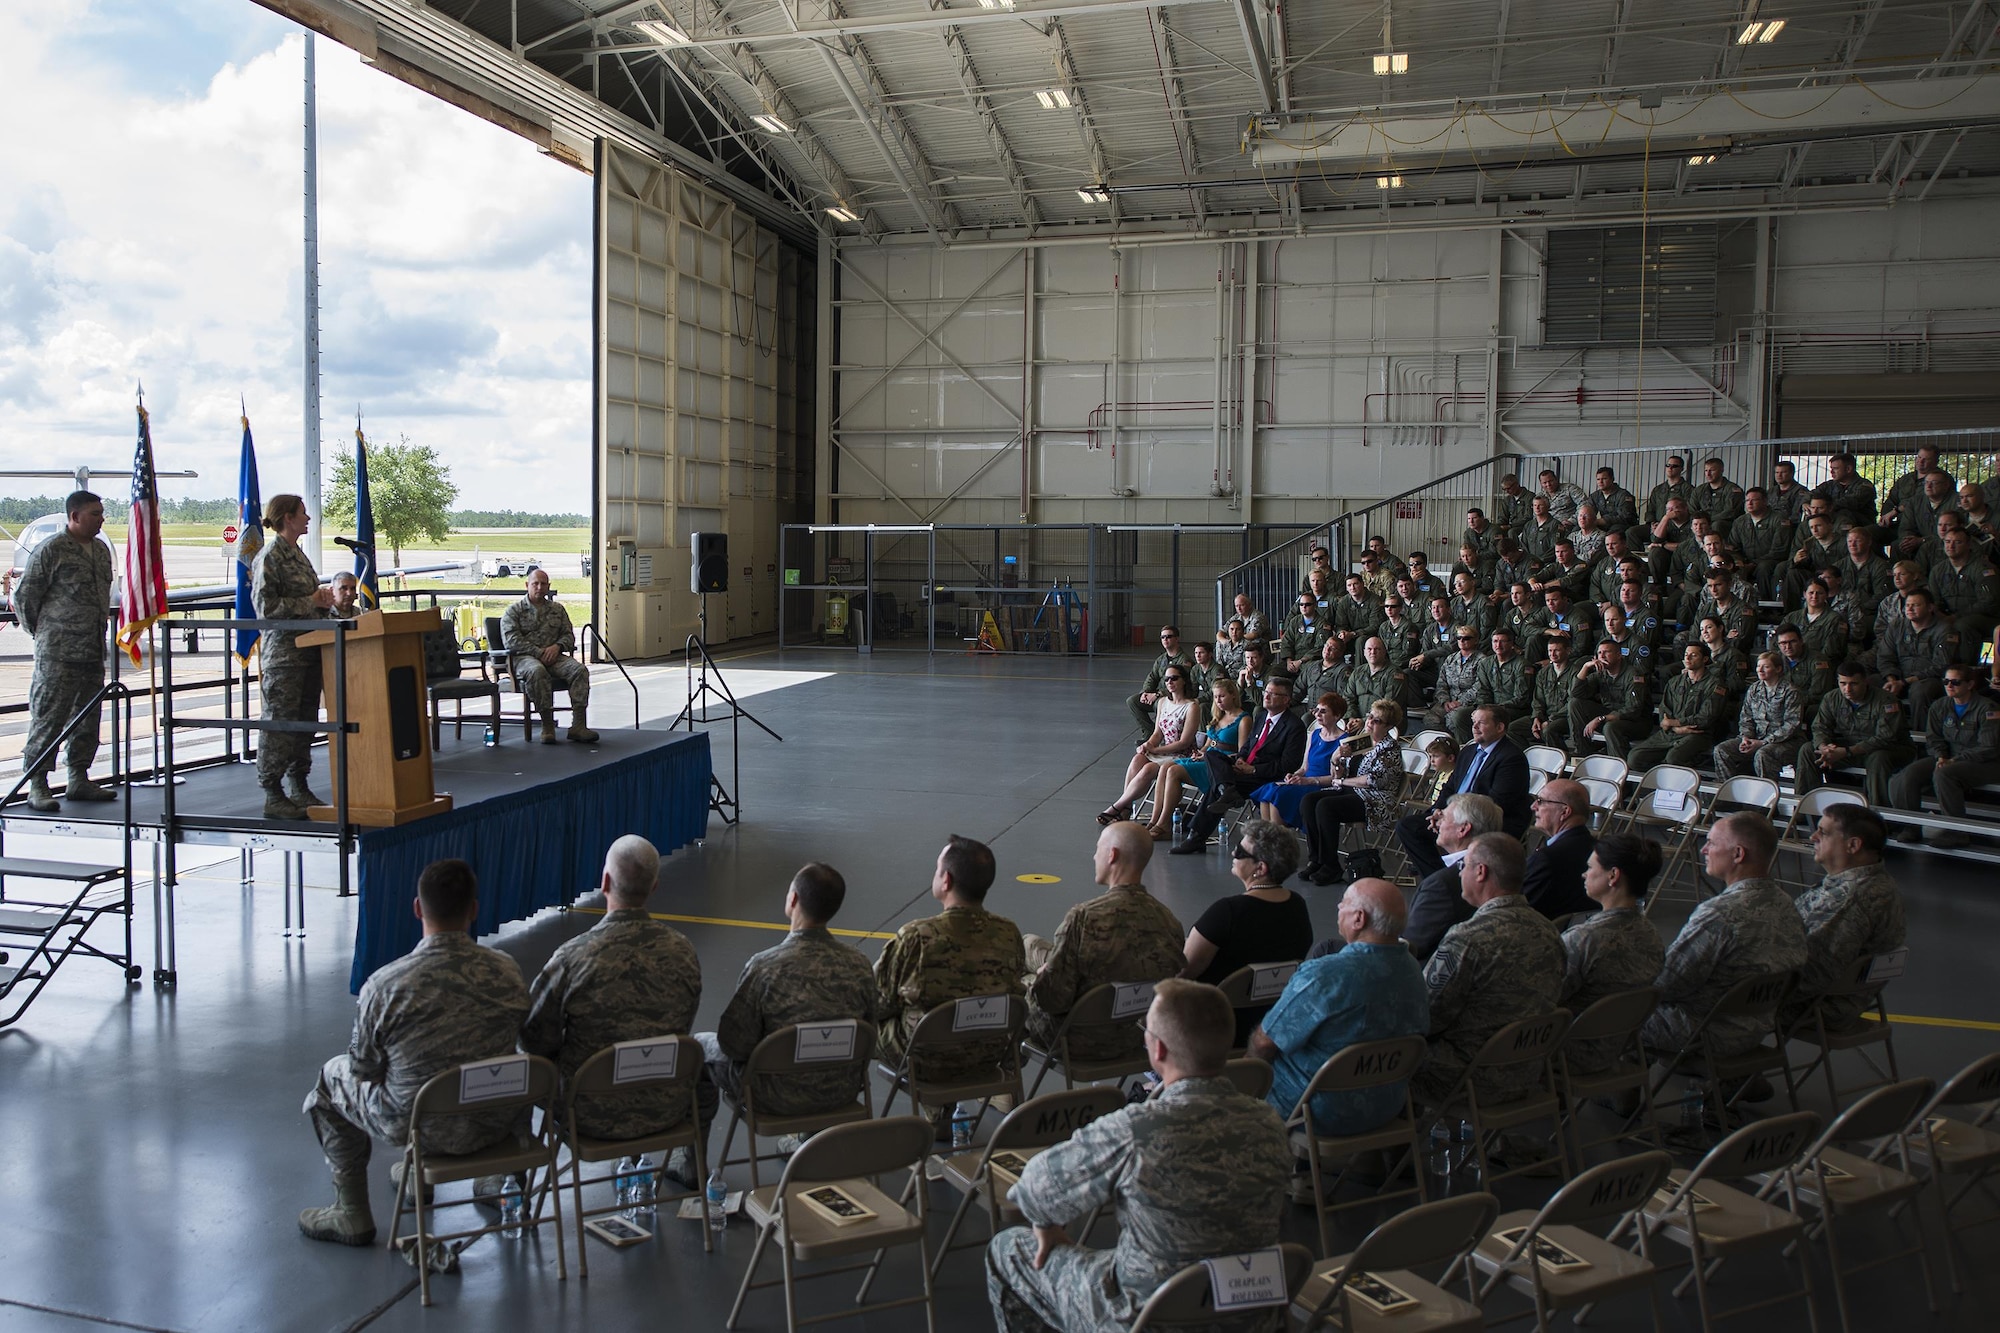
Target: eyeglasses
[[1956, 680], [1165, 638], [1392, 606], [1242, 853], [1466, 638], [1174, 675]]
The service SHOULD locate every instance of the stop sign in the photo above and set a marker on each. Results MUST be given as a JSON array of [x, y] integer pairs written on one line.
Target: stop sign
[[229, 535]]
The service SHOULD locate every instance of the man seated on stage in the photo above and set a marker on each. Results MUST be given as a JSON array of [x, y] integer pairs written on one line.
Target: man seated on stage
[[627, 978], [810, 977], [346, 596], [540, 643], [1124, 934], [448, 1001], [1196, 1171], [961, 952], [1492, 766]]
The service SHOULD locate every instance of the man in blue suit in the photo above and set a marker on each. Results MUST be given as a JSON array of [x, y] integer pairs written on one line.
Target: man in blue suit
[[1277, 747], [1492, 766]]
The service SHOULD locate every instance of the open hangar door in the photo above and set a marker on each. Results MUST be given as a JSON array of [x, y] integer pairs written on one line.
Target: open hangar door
[[703, 403]]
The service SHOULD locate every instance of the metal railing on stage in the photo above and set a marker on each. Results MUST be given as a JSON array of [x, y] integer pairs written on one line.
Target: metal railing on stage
[[1081, 588]]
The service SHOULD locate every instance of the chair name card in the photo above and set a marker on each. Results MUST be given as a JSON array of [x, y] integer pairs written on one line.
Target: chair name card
[[1248, 1281], [1268, 981], [825, 1041], [1888, 966], [1131, 997], [979, 1012], [492, 1080], [644, 1061]]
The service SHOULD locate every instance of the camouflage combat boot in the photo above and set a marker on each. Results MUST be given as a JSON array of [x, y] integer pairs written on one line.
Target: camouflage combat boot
[[298, 793], [579, 727], [279, 806], [81, 788], [39, 796], [548, 729], [347, 1221]]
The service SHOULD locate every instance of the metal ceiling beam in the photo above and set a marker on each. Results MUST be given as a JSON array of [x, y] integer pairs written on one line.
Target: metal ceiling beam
[[1945, 57], [1500, 46], [593, 22], [1177, 113], [1850, 51], [996, 137], [1260, 55], [1086, 123], [1026, 11]]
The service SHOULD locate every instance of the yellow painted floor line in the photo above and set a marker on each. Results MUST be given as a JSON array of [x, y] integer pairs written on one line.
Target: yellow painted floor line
[[1977, 1025], [750, 925]]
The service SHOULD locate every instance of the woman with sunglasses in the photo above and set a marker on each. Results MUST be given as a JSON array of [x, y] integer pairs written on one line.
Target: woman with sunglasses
[[1279, 801], [1224, 736], [1175, 719], [1266, 923]]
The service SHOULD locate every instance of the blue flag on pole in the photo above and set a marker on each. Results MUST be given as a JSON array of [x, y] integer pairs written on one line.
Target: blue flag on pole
[[249, 541], [364, 525]]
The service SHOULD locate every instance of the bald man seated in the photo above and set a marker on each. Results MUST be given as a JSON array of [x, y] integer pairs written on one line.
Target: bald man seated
[[1553, 880]]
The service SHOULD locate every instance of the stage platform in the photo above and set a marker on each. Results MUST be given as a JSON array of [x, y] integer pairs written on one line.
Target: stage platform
[[533, 820]]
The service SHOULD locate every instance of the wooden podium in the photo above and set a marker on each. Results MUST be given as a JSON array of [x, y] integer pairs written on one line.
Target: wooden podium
[[389, 755]]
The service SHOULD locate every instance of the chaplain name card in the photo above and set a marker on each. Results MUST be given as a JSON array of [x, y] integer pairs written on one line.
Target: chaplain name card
[[1246, 1281]]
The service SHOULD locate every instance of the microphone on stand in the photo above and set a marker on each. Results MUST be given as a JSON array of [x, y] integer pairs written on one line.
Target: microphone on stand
[[353, 545]]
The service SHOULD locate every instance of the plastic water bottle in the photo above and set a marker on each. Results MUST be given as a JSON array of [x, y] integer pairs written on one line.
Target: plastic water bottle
[[492, 735], [512, 1208], [716, 1195], [645, 1186], [1179, 831], [630, 1172], [963, 1119], [1439, 1159]]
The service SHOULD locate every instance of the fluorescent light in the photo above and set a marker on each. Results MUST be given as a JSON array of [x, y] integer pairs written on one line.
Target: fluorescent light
[[1053, 99], [842, 213], [1388, 182], [1764, 31], [1771, 30], [1749, 34], [772, 123], [1094, 194], [1701, 159], [996, 4], [666, 34], [1392, 62]]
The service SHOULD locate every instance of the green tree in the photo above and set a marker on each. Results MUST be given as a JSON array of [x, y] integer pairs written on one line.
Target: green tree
[[409, 489]]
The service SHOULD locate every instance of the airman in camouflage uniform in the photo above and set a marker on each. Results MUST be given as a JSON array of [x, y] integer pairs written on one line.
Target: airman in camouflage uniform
[[1856, 722], [1763, 538], [446, 1002], [1615, 950], [1607, 690], [963, 951], [1457, 685], [1549, 722], [1850, 495], [540, 644], [1321, 676], [1508, 681], [1747, 929], [1195, 1172], [1912, 655], [1690, 714], [1772, 717], [1400, 637], [1355, 616], [1514, 509], [284, 586], [1617, 509], [1124, 934], [809, 978], [1501, 964], [1968, 591], [1539, 538], [1849, 916], [1375, 677], [1824, 635], [628, 978], [1303, 637], [1718, 497], [1962, 744], [63, 601]]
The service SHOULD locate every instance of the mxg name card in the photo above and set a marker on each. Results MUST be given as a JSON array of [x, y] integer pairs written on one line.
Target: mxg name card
[[644, 1061], [825, 1041]]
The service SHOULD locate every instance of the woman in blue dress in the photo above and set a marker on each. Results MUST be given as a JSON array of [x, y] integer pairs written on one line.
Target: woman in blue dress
[[1225, 735], [1279, 801]]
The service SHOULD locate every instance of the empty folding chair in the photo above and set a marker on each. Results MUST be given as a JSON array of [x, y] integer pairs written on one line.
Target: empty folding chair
[[665, 1068], [1374, 1288], [1356, 1068], [1254, 988], [1755, 999], [805, 1048], [1667, 798], [1964, 1151], [1546, 760], [1189, 1296], [1865, 987], [1529, 1043], [1601, 768], [1704, 1213], [1602, 1058], [1841, 1185], [845, 1157], [1105, 1008], [976, 1020], [1038, 1123], [531, 1085], [1550, 1257]]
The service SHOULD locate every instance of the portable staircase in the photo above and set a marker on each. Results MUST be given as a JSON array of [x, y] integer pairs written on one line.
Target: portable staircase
[[50, 909]]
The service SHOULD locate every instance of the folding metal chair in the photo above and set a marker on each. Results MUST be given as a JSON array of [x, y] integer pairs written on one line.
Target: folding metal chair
[[666, 1068], [800, 1048], [847, 1155], [1509, 1254], [1422, 740], [1944, 1145], [1546, 760], [1255, 986], [1605, 800], [1107, 1008], [976, 1020], [1526, 1041], [1440, 1232], [1608, 1027], [1753, 998], [1251, 1076], [530, 1081], [1188, 1297], [1041, 1122], [1702, 1212], [1356, 1068], [1795, 839], [1841, 1184], [1667, 798], [1866, 984], [1601, 768], [1731, 794]]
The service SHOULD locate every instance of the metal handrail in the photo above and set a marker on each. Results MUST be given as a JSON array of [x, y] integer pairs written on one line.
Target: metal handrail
[[589, 629]]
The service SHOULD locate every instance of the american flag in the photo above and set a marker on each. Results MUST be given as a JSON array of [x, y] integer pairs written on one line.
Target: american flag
[[145, 576]]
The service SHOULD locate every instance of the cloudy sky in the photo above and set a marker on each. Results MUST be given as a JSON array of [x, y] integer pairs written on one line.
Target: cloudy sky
[[150, 230]]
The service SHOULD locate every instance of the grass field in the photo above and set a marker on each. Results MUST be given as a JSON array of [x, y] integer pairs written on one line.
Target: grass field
[[502, 541]]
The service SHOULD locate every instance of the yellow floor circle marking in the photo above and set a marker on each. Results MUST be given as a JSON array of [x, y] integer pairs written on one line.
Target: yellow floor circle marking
[[1039, 879]]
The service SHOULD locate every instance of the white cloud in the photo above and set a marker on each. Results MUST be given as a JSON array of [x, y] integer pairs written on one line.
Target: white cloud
[[150, 230]]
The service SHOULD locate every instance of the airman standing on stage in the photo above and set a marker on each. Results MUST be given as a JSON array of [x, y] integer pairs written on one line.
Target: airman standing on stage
[[538, 636], [63, 601]]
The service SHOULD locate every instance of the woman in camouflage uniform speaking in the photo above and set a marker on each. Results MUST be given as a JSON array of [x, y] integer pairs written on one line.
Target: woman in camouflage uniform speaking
[[284, 586]]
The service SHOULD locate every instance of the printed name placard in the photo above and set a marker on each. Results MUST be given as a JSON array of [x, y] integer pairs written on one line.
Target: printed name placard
[[644, 1061], [978, 1012], [825, 1041], [1268, 982], [1245, 1281], [489, 1080], [1132, 997], [1889, 966]]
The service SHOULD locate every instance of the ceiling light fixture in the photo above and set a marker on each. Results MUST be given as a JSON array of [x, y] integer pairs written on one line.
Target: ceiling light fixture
[[772, 123], [1760, 32], [843, 213], [1388, 182], [1053, 99], [996, 4], [1392, 62], [1701, 159], [1094, 194], [666, 34]]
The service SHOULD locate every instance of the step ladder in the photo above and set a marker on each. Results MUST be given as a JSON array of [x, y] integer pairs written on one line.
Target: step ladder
[[50, 923]]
